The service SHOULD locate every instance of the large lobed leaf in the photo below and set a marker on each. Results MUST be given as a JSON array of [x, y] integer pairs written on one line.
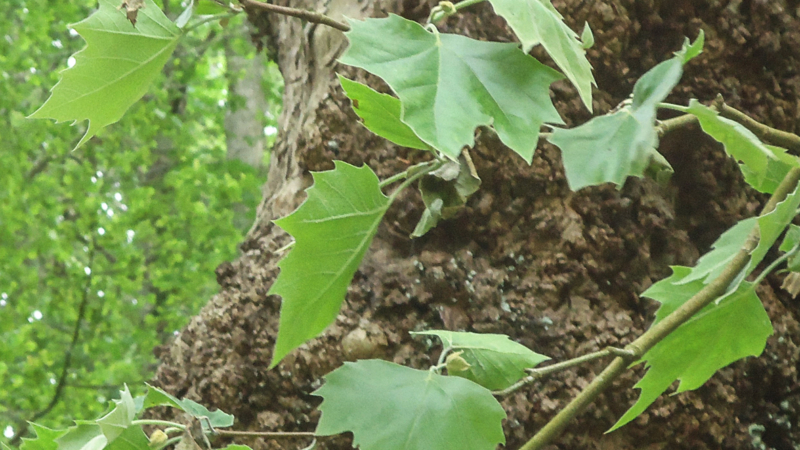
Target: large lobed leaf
[[538, 22], [332, 230], [391, 407], [114, 70], [495, 361], [724, 332], [449, 85], [613, 147]]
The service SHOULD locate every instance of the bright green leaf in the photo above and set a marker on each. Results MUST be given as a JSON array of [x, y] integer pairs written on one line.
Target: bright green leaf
[[381, 114], [718, 335], [613, 147], [209, 8], [390, 407], [691, 50], [496, 362], [120, 418], [157, 397], [114, 70], [449, 85], [739, 142], [537, 22], [332, 230], [45, 438]]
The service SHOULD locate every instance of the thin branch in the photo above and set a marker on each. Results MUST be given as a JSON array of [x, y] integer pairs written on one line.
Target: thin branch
[[662, 329], [539, 373], [269, 434], [310, 16], [768, 134], [62, 380], [666, 126]]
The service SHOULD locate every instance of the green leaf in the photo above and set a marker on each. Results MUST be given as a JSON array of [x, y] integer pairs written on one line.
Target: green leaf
[[157, 397], [791, 239], [607, 148], [381, 114], [209, 8], [537, 22], [721, 333], [772, 225], [84, 436], [587, 37], [691, 50], [114, 70], [391, 407], [445, 191], [120, 418], [741, 144], [613, 147], [45, 438], [132, 438], [496, 361], [710, 265], [187, 13], [777, 169], [332, 230], [449, 85]]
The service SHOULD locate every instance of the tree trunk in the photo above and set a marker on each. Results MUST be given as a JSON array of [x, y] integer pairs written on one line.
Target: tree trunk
[[559, 271]]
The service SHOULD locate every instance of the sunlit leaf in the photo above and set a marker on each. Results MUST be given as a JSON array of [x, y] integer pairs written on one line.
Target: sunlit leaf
[[84, 436], [496, 362], [332, 230], [114, 70], [537, 22], [391, 407], [718, 335], [449, 84]]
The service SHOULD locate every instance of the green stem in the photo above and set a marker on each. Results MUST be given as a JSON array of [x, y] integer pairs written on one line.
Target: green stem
[[213, 18], [423, 171], [673, 107], [766, 133], [164, 423], [662, 329], [443, 355], [537, 374], [267, 434], [771, 268], [466, 3]]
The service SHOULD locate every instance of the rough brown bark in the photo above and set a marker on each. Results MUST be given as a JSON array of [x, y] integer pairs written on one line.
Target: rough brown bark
[[557, 270]]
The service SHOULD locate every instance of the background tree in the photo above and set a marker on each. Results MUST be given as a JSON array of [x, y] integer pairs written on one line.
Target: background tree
[[105, 252]]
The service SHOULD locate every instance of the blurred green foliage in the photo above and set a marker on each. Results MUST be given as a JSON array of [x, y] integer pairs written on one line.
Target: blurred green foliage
[[119, 239]]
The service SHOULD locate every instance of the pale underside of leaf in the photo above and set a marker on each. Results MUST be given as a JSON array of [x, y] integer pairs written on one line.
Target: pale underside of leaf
[[114, 70]]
